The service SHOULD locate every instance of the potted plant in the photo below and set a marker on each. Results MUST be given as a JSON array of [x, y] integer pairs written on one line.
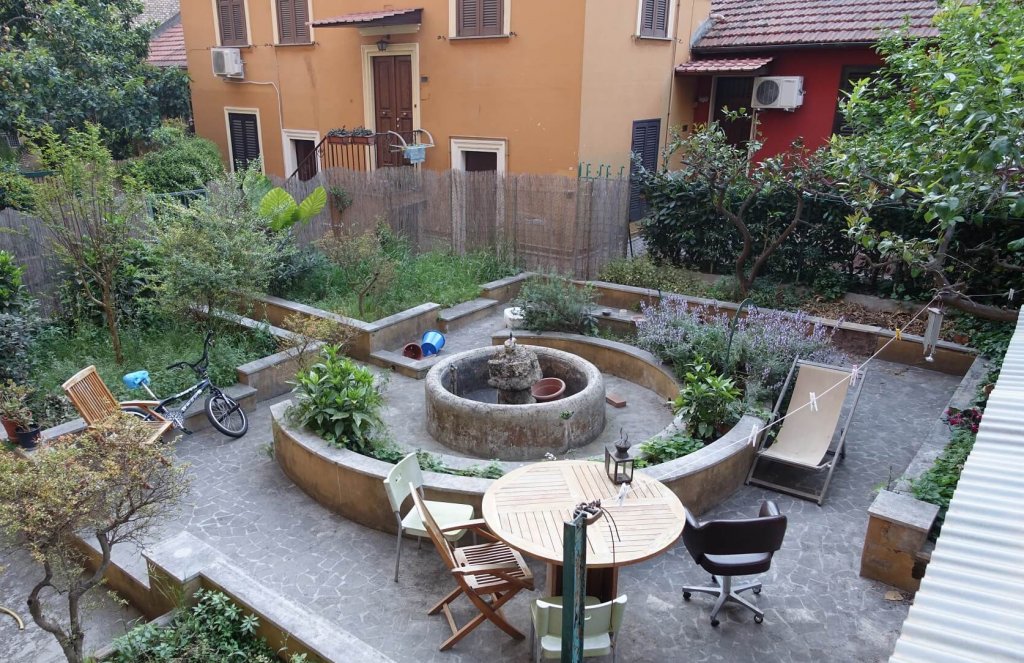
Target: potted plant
[[16, 415], [706, 401], [361, 136], [340, 136]]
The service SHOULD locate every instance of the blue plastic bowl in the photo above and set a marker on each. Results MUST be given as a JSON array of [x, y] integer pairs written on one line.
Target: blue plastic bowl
[[432, 342]]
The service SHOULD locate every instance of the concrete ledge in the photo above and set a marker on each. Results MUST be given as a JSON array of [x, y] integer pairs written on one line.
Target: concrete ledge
[[351, 484], [270, 375], [403, 327], [460, 315], [505, 289], [898, 527], [413, 368]]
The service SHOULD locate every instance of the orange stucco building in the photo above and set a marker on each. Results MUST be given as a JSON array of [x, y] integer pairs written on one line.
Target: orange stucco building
[[521, 86]]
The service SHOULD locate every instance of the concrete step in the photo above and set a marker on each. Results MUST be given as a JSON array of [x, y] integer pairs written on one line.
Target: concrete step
[[399, 363], [460, 315]]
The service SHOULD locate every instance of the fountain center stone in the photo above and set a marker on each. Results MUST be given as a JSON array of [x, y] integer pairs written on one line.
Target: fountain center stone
[[512, 371]]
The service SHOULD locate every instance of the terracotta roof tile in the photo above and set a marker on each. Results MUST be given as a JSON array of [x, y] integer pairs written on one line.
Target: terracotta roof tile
[[168, 48], [752, 23], [356, 18], [716, 65]]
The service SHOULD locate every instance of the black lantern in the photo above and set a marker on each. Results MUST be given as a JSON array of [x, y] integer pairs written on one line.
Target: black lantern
[[382, 44], [618, 461]]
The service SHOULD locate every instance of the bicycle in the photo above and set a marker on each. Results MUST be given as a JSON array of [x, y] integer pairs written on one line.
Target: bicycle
[[223, 412]]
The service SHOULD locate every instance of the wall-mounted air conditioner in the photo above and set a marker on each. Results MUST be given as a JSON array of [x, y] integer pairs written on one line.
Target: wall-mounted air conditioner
[[227, 62], [785, 92]]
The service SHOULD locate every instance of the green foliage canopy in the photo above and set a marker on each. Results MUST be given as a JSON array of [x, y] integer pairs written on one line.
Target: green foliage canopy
[[179, 163]]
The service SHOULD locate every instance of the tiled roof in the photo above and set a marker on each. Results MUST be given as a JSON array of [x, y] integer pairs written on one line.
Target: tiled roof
[[717, 65], [753, 23], [168, 48], [386, 16], [158, 11]]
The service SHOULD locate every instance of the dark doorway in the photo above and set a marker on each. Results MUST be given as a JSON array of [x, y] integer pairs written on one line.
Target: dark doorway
[[478, 161], [392, 99], [644, 145], [734, 93], [307, 165], [481, 198]]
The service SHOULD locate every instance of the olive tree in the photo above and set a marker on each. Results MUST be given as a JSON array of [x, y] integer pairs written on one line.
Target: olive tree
[[940, 130], [106, 484]]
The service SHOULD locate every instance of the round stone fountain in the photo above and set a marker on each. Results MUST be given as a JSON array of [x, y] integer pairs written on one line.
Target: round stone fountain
[[479, 403]]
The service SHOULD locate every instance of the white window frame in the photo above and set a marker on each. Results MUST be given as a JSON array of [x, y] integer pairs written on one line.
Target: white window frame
[[670, 32], [453, 21], [277, 33], [259, 134], [216, 25], [290, 159]]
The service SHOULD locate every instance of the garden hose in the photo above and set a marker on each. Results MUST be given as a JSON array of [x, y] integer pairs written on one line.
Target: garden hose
[[21, 624]]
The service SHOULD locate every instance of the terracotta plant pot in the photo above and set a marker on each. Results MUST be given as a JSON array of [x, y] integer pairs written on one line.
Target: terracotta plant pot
[[27, 439], [339, 140], [10, 428], [547, 389], [362, 140], [412, 351]]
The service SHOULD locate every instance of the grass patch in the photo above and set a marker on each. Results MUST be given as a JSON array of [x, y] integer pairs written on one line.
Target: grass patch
[[61, 352], [440, 277]]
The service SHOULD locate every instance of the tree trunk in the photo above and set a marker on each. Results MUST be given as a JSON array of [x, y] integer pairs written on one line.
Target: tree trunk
[[961, 303], [110, 313]]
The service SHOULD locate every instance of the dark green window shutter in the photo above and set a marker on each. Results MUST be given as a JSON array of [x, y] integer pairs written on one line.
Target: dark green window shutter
[[644, 145], [245, 139]]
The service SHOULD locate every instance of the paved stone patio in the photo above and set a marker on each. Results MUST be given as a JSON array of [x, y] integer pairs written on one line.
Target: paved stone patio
[[817, 607]]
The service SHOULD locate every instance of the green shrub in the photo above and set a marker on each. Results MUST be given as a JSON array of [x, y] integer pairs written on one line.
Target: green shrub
[[134, 289], [339, 400], [988, 337], [936, 486], [19, 321], [554, 303], [179, 163], [215, 629], [12, 290], [15, 189], [706, 401], [644, 272], [659, 450]]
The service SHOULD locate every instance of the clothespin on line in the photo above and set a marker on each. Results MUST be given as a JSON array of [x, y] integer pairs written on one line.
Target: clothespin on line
[[1011, 294], [899, 334], [854, 375], [755, 430], [813, 401]]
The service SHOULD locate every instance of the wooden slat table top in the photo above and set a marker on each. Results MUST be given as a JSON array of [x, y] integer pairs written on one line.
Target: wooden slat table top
[[527, 507]]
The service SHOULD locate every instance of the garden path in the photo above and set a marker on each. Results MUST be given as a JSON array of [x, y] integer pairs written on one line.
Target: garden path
[[817, 607]]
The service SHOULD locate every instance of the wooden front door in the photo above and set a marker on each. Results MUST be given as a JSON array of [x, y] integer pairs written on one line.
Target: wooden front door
[[734, 93], [392, 101]]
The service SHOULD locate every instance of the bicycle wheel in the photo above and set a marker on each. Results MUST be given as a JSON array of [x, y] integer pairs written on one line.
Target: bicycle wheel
[[138, 412], [226, 415]]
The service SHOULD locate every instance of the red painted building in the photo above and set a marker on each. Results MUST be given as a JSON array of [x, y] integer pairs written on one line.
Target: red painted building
[[827, 43]]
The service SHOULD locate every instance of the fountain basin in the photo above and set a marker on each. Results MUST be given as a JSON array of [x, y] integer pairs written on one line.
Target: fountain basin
[[462, 412]]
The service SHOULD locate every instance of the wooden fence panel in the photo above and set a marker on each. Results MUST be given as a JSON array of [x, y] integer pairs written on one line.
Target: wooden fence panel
[[28, 240]]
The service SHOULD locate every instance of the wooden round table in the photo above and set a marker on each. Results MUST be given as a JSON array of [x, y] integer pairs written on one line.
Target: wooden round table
[[527, 508]]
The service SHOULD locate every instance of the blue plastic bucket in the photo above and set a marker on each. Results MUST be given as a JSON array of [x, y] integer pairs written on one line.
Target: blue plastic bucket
[[432, 342]]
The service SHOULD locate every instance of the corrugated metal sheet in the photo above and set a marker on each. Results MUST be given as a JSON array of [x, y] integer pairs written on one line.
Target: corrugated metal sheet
[[971, 603]]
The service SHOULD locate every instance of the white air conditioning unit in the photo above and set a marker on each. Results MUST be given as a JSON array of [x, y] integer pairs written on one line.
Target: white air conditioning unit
[[227, 62], [785, 92]]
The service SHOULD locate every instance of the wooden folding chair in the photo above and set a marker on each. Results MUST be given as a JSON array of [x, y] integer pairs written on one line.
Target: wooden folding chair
[[95, 402], [805, 439], [486, 570]]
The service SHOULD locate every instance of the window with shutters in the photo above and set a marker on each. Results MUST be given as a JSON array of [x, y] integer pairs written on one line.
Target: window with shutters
[[654, 18], [231, 23], [292, 22], [243, 139], [643, 148], [480, 18]]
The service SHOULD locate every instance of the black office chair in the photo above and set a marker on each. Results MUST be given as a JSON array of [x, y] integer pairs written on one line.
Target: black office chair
[[727, 548]]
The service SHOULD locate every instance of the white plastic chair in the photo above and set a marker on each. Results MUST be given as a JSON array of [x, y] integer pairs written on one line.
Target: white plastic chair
[[398, 485], [602, 622]]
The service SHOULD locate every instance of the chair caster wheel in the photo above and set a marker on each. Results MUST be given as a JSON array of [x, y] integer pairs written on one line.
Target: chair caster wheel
[[714, 622], [758, 619], [686, 596], [757, 590]]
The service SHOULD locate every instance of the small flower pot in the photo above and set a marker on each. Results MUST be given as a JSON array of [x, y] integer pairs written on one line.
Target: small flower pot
[[432, 341], [10, 427], [545, 390], [412, 351], [27, 439]]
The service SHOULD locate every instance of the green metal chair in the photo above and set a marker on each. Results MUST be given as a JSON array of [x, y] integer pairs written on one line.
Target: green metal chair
[[602, 622], [399, 485]]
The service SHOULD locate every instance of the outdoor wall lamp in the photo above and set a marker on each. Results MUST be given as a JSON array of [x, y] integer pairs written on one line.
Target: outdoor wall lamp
[[382, 45]]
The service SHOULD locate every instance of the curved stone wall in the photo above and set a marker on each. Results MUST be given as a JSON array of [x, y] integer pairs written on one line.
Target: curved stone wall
[[514, 432]]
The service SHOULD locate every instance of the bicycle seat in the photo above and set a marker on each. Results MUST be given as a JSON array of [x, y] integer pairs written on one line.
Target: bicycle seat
[[136, 379]]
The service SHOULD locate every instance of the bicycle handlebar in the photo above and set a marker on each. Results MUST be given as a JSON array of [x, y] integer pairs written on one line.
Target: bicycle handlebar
[[201, 364]]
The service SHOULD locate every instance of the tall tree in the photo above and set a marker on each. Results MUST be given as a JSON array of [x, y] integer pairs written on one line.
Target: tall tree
[[89, 215], [940, 130], [106, 484], [68, 62]]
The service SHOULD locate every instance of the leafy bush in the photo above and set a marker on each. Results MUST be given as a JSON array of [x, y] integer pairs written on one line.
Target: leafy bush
[[19, 321], [659, 450], [706, 401], [179, 163], [643, 272], [15, 189], [363, 265], [936, 486], [215, 629], [554, 303], [988, 337], [678, 334], [339, 400], [134, 289]]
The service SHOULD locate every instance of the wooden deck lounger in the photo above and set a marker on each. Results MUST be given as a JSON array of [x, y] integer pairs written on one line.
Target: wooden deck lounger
[[805, 439], [94, 402]]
